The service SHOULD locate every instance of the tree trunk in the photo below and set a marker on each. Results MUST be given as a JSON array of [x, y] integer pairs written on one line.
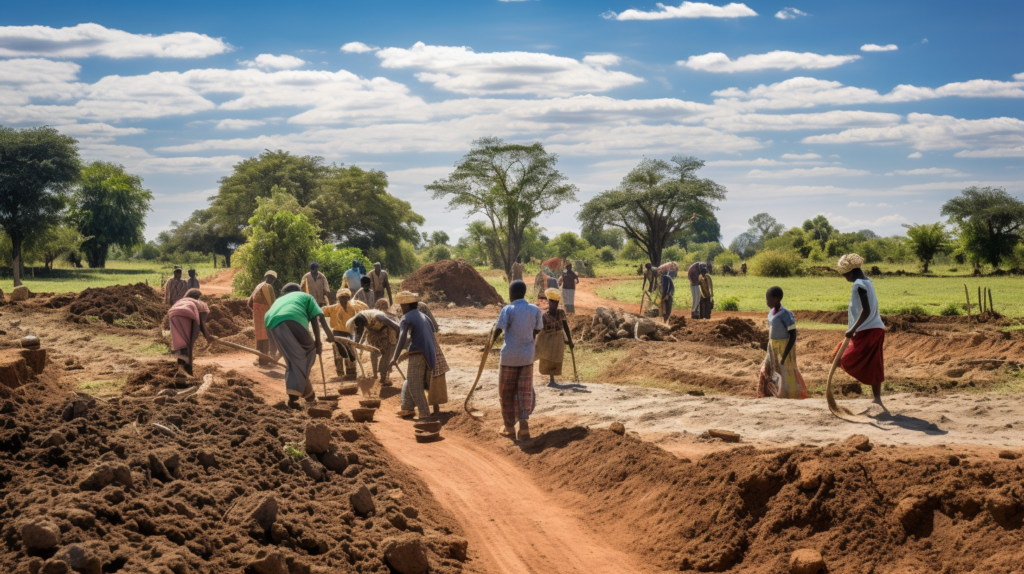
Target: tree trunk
[[214, 260], [16, 259], [654, 249], [227, 259], [97, 256]]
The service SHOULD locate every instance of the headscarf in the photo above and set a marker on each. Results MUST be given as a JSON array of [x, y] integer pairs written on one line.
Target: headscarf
[[270, 274], [382, 305], [849, 262], [553, 294]]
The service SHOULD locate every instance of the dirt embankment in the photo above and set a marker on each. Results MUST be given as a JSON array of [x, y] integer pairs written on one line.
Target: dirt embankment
[[452, 281], [866, 509], [98, 484]]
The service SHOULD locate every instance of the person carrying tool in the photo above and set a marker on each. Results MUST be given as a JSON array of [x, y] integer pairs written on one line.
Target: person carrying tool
[[693, 274], [863, 359], [338, 316], [259, 302], [568, 281], [287, 323], [666, 294], [380, 332], [521, 322], [175, 288], [550, 346], [416, 330], [707, 293], [187, 318], [379, 280], [353, 277], [193, 281], [315, 283], [779, 375], [437, 394]]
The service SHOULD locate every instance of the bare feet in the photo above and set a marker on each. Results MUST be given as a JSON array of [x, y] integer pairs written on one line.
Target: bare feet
[[508, 431]]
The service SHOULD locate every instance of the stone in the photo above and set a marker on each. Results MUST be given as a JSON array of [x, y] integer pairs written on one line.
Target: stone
[[398, 520], [618, 428], [80, 559], [54, 566], [859, 442], [55, 439], [411, 512], [40, 535], [312, 468], [724, 435], [352, 470], [406, 554], [806, 561], [458, 548], [909, 512], [1008, 455], [20, 293], [362, 501], [319, 413], [269, 563], [318, 439], [30, 342], [334, 462], [97, 478]]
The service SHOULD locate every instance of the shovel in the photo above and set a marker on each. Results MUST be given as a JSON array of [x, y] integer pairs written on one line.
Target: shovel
[[247, 350], [839, 411], [575, 373], [480, 371]]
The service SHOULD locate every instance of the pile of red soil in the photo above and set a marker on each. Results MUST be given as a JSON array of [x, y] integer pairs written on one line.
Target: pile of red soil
[[97, 484], [228, 316], [747, 510], [135, 306], [457, 280], [161, 375], [729, 331]]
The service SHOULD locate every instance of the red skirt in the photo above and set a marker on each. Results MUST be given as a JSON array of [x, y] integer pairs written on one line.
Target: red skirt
[[863, 358]]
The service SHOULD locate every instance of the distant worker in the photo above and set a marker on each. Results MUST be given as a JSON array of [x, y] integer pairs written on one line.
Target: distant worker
[[353, 276], [666, 293], [287, 322], [693, 274], [416, 331], [338, 316], [707, 293], [672, 268], [779, 375], [550, 346], [540, 283], [260, 301], [379, 280], [863, 358], [743, 267], [521, 322], [175, 288], [365, 293], [568, 281], [651, 283], [516, 273], [193, 281], [315, 283], [362, 269], [187, 318], [380, 332]]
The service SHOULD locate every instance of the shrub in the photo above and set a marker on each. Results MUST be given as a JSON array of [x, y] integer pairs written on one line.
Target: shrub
[[913, 309], [439, 253], [951, 310], [607, 254], [632, 251], [727, 258], [672, 253], [729, 304], [774, 264]]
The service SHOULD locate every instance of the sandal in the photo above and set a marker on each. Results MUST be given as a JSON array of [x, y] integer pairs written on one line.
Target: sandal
[[507, 432], [405, 414]]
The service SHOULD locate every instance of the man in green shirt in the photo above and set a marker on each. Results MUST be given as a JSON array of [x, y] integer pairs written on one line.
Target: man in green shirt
[[287, 324]]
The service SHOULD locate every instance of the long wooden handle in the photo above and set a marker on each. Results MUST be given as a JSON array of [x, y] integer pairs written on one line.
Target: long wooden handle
[[479, 372], [246, 349], [829, 397]]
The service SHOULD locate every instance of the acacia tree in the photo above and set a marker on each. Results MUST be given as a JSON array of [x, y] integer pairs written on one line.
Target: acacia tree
[[655, 201], [989, 222], [109, 207], [37, 168], [511, 185], [927, 240]]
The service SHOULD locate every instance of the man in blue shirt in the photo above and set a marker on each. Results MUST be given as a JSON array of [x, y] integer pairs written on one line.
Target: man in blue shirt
[[521, 322], [352, 276], [417, 330]]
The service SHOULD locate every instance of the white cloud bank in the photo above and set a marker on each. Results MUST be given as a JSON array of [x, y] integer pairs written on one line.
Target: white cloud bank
[[877, 48], [272, 62], [775, 60], [684, 10], [789, 14], [807, 172], [86, 40], [358, 48]]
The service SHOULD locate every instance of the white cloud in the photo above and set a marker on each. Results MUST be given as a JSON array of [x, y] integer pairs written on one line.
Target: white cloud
[[272, 62], [1019, 77], [459, 69], [943, 171], [759, 162], [929, 132], [877, 48], [1012, 186], [789, 14], [86, 40], [807, 172], [800, 156], [1010, 151], [915, 155], [841, 221], [602, 60], [684, 10], [23, 80], [234, 124], [856, 204], [358, 48], [775, 60], [731, 121]]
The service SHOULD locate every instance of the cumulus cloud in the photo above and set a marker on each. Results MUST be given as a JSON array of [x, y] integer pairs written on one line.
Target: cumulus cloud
[[1007, 151], [235, 124], [807, 172], [740, 122], [358, 48], [943, 171], [877, 48], [272, 62], [915, 155], [789, 14], [775, 60], [930, 132], [86, 40], [461, 70], [800, 156], [684, 10]]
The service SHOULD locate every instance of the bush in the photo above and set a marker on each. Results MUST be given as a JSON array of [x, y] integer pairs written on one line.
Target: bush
[[632, 251], [905, 310], [774, 264], [728, 258], [729, 304], [607, 254], [672, 253], [399, 262], [335, 261], [438, 253], [951, 310]]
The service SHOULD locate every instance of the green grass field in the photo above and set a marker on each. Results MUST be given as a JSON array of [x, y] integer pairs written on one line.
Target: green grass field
[[833, 294], [62, 280]]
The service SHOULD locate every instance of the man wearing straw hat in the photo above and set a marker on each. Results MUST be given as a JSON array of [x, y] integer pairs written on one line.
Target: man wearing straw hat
[[863, 358], [287, 323], [260, 301], [415, 329]]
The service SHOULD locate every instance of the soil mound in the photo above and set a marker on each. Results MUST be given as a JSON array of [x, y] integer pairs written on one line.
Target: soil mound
[[222, 485], [133, 306], [228, 316], [457, 280], [729, 331], [163, 375]]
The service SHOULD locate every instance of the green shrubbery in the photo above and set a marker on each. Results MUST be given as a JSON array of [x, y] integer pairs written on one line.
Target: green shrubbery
[[951, 310], [729, 304], [774, 264], [911, 309], [607, 254]]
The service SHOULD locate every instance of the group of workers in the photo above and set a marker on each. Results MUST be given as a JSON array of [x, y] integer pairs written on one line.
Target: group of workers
[[659, 284], [565, 283]]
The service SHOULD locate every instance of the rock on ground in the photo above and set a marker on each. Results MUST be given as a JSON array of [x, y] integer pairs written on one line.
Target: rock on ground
[[617, 428], [318, 439], [362, 501], [406, 554], [40, 535], [806, 561], [859, 442]]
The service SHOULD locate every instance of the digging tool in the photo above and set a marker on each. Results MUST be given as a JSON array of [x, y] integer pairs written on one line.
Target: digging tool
[[480, 371], [247, 350], [575, 373], [841, 412], [323, 377]]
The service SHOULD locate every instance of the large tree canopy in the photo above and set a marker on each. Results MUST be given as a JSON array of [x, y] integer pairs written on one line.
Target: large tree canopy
[[655, 201], [511, 185], [109, 208], [37, 168], [989, 222]]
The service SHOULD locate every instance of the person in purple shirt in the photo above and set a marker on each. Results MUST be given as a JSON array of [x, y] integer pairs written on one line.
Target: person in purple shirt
[[521, 322], [416, 330]]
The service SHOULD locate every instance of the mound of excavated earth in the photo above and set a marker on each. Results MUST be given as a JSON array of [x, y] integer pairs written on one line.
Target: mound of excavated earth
[[129, 305], [457, 280]]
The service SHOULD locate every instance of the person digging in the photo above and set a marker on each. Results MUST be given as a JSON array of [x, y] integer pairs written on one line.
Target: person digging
[[380, 332], [521, 322], [550, 346], [416, 331], [259, 302], [339, 315], [863, 359], [187, 318], [287, 323]]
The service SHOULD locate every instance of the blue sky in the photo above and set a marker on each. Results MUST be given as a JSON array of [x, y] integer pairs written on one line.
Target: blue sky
[[873, 113]]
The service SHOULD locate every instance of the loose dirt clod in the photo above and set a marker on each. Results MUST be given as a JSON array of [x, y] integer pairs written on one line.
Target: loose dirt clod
[[806, 561], [457, 280]]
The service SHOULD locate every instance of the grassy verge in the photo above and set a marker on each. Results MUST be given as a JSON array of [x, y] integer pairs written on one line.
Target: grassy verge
[[103, 388], [62, 280]]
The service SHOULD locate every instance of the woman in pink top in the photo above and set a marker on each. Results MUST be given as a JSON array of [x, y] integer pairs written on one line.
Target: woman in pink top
[[187, 318]]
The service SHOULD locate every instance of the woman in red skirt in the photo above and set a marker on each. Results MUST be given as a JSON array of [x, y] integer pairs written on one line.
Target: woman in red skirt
[[863, 358]]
